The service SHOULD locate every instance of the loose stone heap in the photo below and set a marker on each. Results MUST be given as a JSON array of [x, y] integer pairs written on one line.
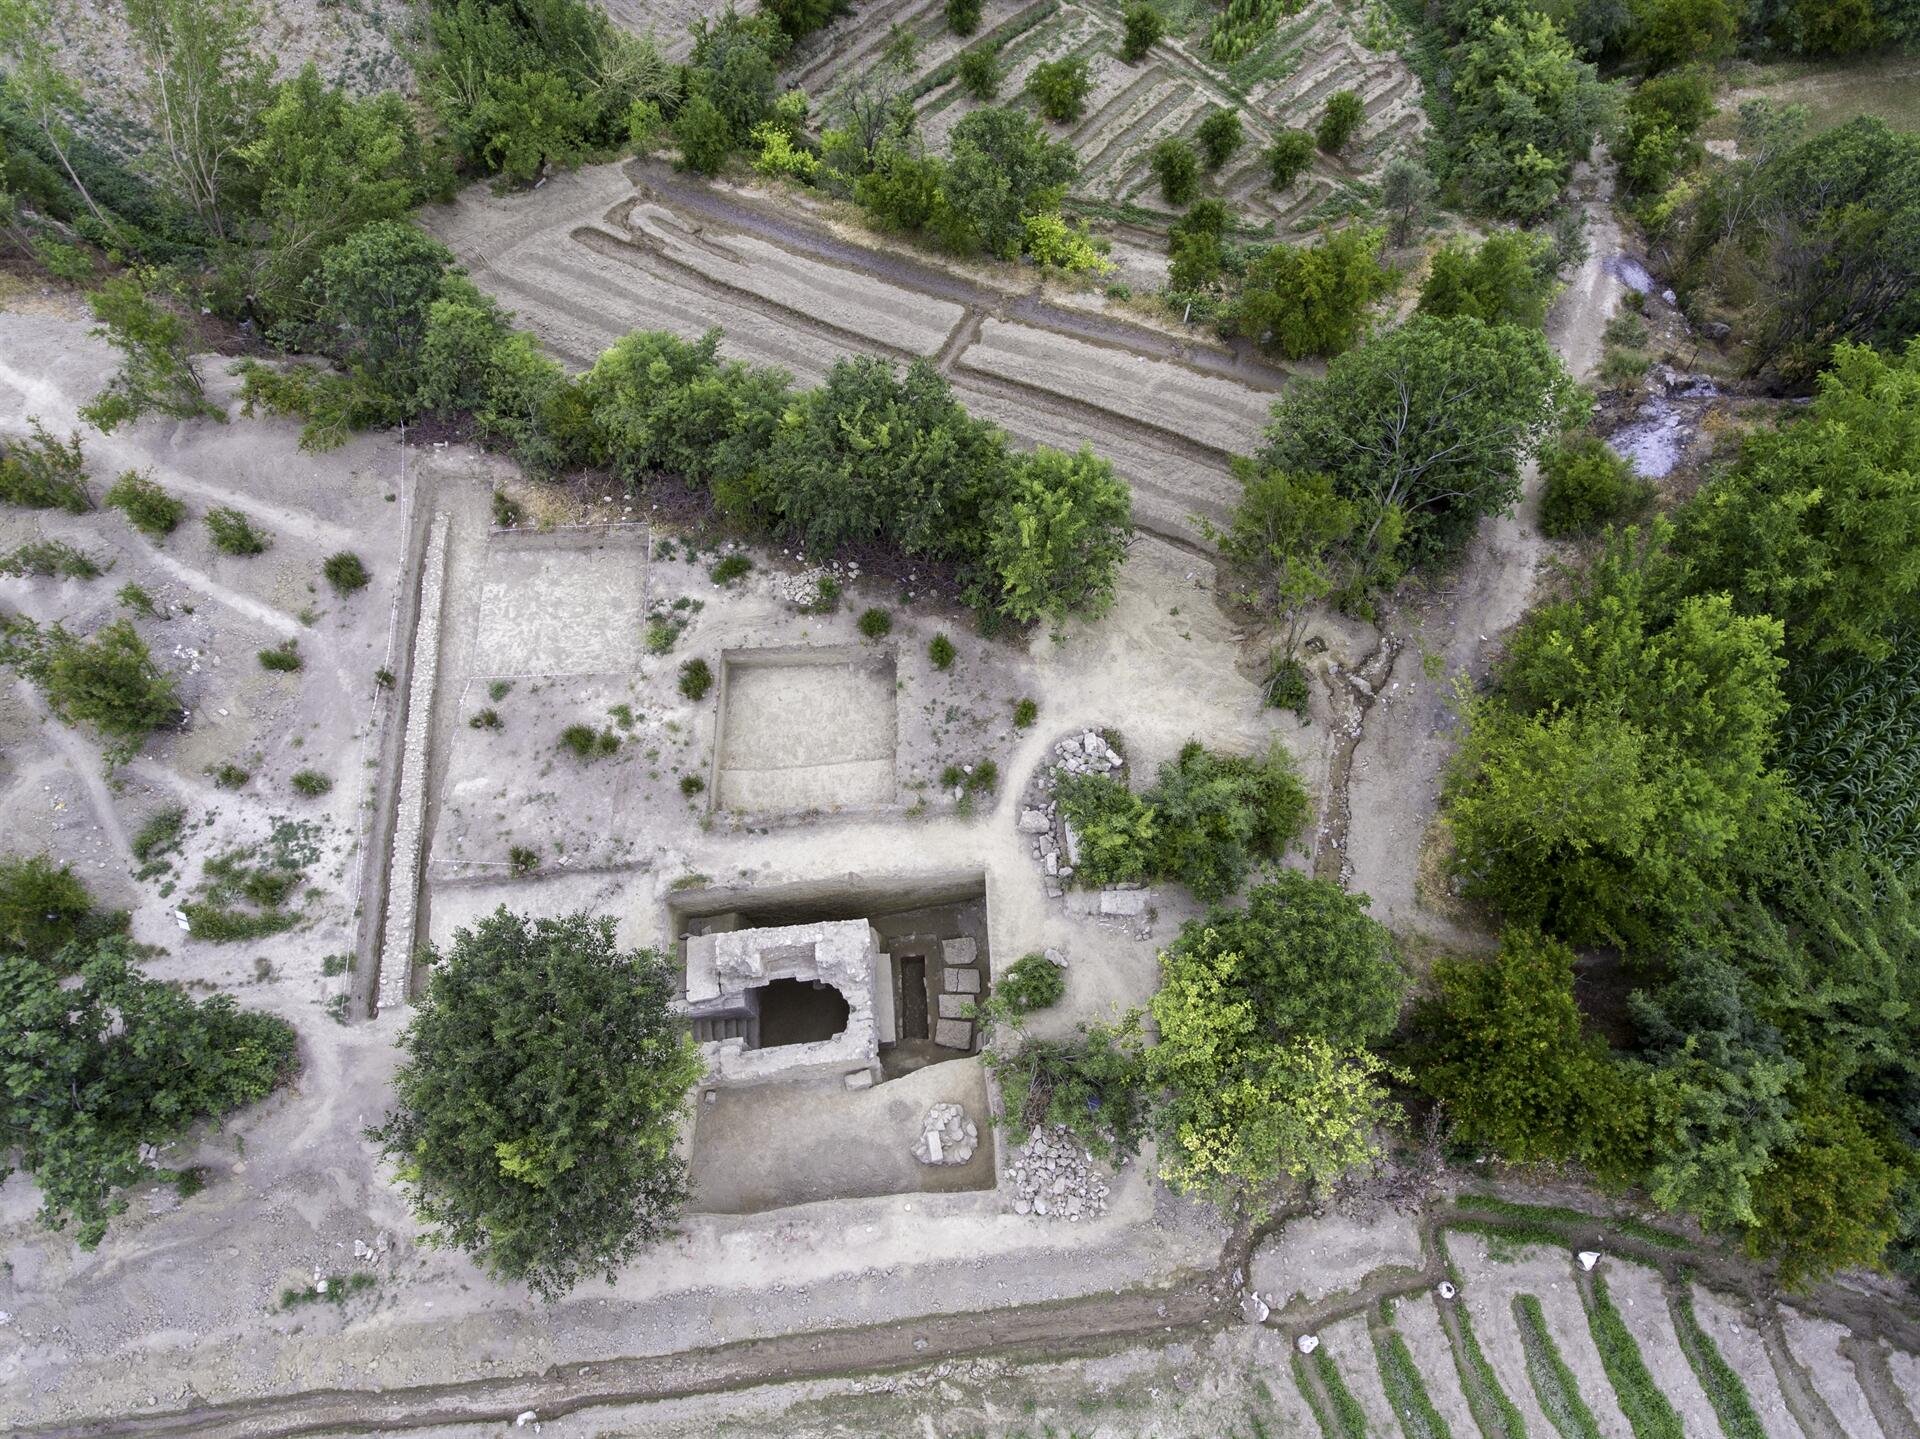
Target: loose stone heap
[[1054, 843], [1053, 1176], [947, 1136], [803, 590]]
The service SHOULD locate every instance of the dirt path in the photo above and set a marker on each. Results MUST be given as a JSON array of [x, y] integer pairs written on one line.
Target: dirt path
[[1400, 761]]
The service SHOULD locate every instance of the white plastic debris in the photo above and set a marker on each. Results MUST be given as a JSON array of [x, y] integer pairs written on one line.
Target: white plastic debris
[[1588, 1258], [1446, 1289]]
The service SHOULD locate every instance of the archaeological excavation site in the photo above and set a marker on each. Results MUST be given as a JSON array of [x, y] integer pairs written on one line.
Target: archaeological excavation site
[[998, 719]]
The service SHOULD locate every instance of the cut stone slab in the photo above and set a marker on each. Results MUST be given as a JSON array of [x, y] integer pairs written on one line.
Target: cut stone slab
[[955, 1006], [1034, 821], [1124, 902], [959, 951], [953, 1034], [963, 981]]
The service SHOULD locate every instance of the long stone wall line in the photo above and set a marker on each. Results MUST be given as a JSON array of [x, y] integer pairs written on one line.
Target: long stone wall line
[[403, 878]]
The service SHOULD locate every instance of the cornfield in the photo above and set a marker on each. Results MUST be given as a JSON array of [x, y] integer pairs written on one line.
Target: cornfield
[[1244, 26], [1852, 746]]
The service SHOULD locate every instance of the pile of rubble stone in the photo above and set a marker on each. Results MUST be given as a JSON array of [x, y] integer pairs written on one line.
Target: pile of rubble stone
[[1053, 842], [803, 589], [1055, 1177], [947, 1136]]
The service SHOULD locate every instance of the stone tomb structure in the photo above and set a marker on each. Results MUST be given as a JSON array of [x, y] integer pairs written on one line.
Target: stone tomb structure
[[815, 1000]]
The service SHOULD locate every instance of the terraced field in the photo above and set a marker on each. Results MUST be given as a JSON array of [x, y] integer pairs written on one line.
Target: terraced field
[[596, 254], [1283, 82]]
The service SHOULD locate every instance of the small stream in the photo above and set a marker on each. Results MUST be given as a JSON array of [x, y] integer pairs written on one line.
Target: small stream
[[1672, 404]]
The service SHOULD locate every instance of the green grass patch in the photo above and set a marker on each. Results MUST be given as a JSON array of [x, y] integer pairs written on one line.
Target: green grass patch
[[339, 1289], [1538, 1216], [1726, 1391], [1329, 1424], [1646, 1408], [1347, 1413], [1406, 1392], [1553, 1382]]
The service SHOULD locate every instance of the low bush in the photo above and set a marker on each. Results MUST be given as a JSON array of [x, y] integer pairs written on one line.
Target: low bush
[[310, 782], [1025, 712], [875, 623], [691, 785], [1341, 118], [284, 658], [136, 598], [729, 568], [587, 743], [234, 534], [50, 559], [522, 860], [1144, 29], [1060, 88], [345, 572], [486, 719], [940, 652], [43, 473], [1031, 982], [696, 678], [963, 16], [160, 835], [230, 776], [147, 506]]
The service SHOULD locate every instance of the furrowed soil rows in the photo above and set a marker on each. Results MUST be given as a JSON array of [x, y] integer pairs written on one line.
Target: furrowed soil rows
[[1815, 1345]]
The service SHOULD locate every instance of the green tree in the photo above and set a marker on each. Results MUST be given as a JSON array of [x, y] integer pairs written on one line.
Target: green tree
[[1338, 121], [1501, 1046], [1585, 486], [324, 164], [1144, 29], [1219, 136], [703, 135], [1818, 523], [108, 681], [1658, 123], [1218, 816], [1424, 425], [157, 373], [980, 72], [536, 1115], [1175, 167], [1508, 279], [963, 16], [1289, 157], [93, 1072], [1405, 189], [201, 92], [735, 65], [46, 93], [1312, 960], [1618, 772], [1195, 251], [1289, 546], [370, 302], [1056, 539], [1306, 300], [1680, 32], [1829, 1200], [1002, 168], [43, 908], [1060, 88]]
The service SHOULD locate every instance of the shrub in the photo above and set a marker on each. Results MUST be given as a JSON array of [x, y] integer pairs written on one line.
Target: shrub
[[963, 16], [1144, 29], [1585, 485], [282, 657], [1286, 686], [148, 507], [1060, 88], [1050, 240], [310, 782], [1298, 301], [1031, 982], [1053, 548], [506, 510], [980, 72], [1220, 815], [44, 907], [345, 572], [1219, 135], [233, 533], [1288, 157], [587, 743], [1175, 167], [1341, 118], [137, 599], [50, 558], [488, 718], [1095, 1087], [42, 473], [1116, 829], [1025, 712], [941, 652], [729, 568], [691, 785], [696, 678], [875, 623], [108, 681], [522, 860], [230, 776], [160, 835]]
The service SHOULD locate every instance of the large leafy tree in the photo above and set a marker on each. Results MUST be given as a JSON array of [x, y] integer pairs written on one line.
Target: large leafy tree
[[536, 1115], [1002, 169], [1425, 426], [44, 907], [370, 301], [1298, 301], [108, 680], [1220, 815], [1618, 771], [1056, 538], [96, 1068], [1818, 524], [1507, 279], [1501, 1045]]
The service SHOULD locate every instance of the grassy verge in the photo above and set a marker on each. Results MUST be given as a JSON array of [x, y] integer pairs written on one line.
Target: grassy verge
[[1725, 1389], [1405, 1391], [1544, 1214], [1646, 1408], [1553, 1382]]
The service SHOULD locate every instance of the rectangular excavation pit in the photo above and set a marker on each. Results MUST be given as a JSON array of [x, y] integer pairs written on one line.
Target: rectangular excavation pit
[[777, 1122], [805, 728], [562, 602]]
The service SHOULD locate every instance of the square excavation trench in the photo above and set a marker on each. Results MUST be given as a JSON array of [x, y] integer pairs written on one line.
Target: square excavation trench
[[806, 729], [787, 1139], [560, 603]]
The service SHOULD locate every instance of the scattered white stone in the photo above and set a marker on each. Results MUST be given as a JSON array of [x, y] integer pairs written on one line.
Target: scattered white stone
[[1307, 1343], [1588, 1258], [523, 1419], [947, 1136], [1254, 1309], [1446, 1290]]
